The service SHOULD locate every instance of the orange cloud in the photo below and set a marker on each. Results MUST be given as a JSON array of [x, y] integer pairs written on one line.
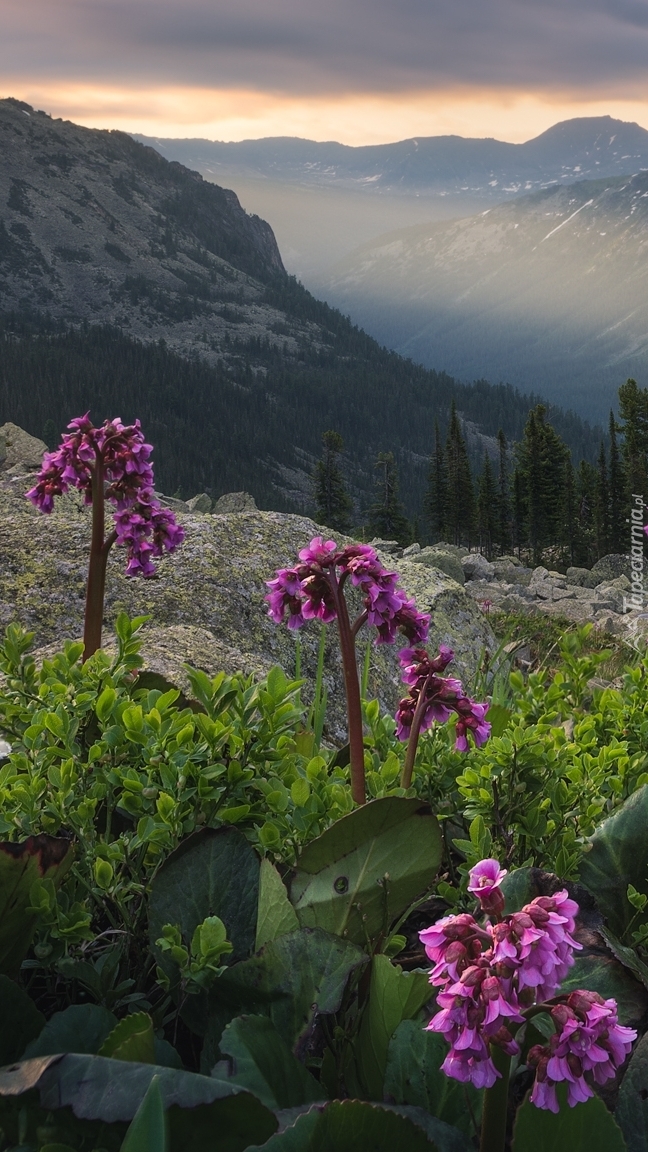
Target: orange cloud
[[366, 118]]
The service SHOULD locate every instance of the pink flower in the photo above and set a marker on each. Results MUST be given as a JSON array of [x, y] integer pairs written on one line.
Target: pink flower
[[442, 696], [485, 876]]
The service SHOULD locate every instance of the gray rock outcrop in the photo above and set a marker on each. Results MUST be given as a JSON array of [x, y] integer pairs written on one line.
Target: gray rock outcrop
[[233, 502], [19, 451], [477, 567], [200, 503], [207, 604], [446, 562]]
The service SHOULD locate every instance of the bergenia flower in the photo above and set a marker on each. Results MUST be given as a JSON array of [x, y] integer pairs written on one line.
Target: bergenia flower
[[433, 697], [117, 457], [489, 975]]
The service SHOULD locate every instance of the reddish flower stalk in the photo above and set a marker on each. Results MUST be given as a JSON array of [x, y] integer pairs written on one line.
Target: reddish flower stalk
[[314, 590], [109, 463]]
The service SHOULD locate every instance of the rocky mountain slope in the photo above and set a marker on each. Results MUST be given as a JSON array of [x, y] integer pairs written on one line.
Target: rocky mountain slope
[[323, 199], [207, 604], [549, 290], [130, 286]]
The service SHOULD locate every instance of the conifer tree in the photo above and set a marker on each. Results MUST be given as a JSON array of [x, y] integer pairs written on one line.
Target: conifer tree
[[618, 538], [541, 460], [633, 408], [487, 508], [585, 514], [436, 497], [569, 512], [386, 515], [518, 510], [503, 497], [601, 516], [333, 504], [460, 504]]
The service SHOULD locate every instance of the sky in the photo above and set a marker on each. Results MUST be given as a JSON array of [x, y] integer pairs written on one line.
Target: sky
[[357, 71]]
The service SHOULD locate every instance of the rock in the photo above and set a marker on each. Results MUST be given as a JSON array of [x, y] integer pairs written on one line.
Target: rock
[[454, 549], [171, 502], [477, 567], [577, 576], [576, 611], [200, 503], [509, 560], [621, 582], [515, 603], [538, 581], [20, 449], [233, 502], [207, 605], [444, 561], [559, 593], [412, 550], [610, 567], [391, 547]]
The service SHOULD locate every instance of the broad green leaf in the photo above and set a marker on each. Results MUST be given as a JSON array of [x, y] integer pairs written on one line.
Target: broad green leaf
[[98, 1088], [632, 1104], [394, 996], [275, 914], [413, 1076], [618, 856], [587, 1127], [79, 1028], [626, 955], [365, 870], [148, 1130], [37, 858], [291, 980], [132, 1039], [263, 1064], [599, 971], [351, 1126], [519, 889], [499, 719], [214, 872], [21, 1021]]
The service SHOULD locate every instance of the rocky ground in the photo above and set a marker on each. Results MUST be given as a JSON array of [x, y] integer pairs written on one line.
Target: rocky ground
[[207, 603]]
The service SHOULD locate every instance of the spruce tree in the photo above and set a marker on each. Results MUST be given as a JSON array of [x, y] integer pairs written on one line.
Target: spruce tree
[[503, 497], [585, 515], [436, 497], [602, 506], [487, 508], [633, 408], [569, 512], [387, 518], [541, 460], [460, 503], [518, 511], [333, 504], [618, 536]]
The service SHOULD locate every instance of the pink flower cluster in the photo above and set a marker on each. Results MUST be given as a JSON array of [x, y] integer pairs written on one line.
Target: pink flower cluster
[[489, 975], [120, 451], [309, 591], [440, 697], [588, 1041]]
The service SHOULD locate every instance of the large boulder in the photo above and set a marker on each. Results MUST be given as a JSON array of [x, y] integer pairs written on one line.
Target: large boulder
[[579, 577], [207, 604], [477, 567], [200, 503], [20, 451], [609, 568], [446, 562], [233, 502]]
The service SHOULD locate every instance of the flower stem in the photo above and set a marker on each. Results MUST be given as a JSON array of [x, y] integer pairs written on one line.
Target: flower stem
[[415, 731], [493, 1131], [99, 549], [352, 688]]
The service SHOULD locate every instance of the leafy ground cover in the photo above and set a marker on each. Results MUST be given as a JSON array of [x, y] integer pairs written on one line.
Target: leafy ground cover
[[203, 941]]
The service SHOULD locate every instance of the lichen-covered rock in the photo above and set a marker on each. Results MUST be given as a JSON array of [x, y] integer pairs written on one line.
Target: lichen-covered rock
[[20, 449], [609, 567], [207, 605], [578, 576], [233, 502], [477, 567], [200, 503], [443, 561]]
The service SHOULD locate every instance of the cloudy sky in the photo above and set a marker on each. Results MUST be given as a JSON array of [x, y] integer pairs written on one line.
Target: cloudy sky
[[359, 71]]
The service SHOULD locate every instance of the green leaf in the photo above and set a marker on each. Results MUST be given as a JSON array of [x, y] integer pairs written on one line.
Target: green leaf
[[214, 872], [597, 970], [351, 1126], [21, 865], [132, 1039], [291, 980], [394, 996], [21, 1020], [98, 1088], [587, 1127], [632, 1104], [519, 889], [275, 914], [79, 1028], [499, 719], [413, 1076], [148, 1131], [239, 1122], [367, 869], [264, 1064], [627, 956], [617, 857]]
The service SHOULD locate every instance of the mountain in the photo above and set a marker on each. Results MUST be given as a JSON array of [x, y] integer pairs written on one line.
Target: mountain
[[323, 199], [131, 286], [549, 290]]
